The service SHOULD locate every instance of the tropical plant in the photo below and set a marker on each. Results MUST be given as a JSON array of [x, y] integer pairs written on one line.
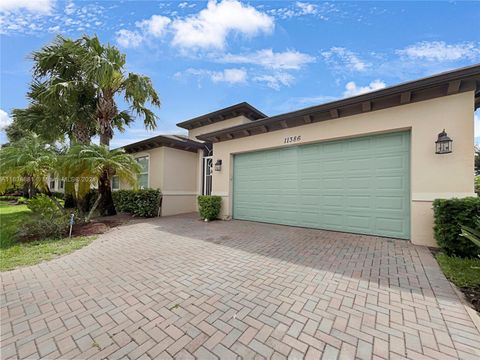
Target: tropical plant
[[77, 85], [100, 162], [472, 234], [46, 221], [104, 67], [62, 105], [30, 161]]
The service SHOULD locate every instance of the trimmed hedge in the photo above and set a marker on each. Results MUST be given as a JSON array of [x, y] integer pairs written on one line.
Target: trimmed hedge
[[449, 216], [209, 206], [143, 203]]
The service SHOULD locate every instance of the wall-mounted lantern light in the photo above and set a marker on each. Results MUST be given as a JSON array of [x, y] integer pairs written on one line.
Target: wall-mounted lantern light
[[443, 145], [218, 165]]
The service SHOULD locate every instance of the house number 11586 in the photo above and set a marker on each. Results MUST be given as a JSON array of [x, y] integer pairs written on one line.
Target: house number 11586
[[292, 139]]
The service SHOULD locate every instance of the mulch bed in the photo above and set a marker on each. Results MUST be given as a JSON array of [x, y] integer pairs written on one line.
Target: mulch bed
[[100, 225], [473, 297]]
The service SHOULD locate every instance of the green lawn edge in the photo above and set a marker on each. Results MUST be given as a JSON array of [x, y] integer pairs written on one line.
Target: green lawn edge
[[14, 255], [464, 273], [35, 252]]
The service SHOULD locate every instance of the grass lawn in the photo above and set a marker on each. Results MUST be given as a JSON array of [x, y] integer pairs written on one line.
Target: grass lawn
[[465, 273], [11, 217], [13, 254]]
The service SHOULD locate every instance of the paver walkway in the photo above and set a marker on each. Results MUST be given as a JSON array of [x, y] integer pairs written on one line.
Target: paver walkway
[[178, 287]]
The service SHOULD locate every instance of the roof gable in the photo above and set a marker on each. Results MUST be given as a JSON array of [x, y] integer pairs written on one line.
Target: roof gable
[[230, 112]]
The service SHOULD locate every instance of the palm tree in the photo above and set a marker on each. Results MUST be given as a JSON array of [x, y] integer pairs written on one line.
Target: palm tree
[[102, 68], [62, 105], [100, 162], [30, 161]]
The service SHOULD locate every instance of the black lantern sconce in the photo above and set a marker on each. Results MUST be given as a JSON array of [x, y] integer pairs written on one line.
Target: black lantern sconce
[[218, 165], [443, 145]]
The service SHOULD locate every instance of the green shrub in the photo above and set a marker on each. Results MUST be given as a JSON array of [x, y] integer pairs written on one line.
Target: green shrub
[[209, 206], [450, 215], [46, 221], [477, 185], [143, 203], [43, 205]]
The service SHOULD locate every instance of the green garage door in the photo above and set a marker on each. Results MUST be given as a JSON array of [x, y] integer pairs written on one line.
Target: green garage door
[[359, 185]]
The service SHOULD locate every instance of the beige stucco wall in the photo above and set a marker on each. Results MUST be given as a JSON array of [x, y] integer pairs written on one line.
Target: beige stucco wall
[[238, 120], [174, 172], [432, 176], [155, 166], [179, 189]]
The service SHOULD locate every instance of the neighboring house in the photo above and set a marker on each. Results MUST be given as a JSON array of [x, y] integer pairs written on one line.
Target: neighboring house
[[366, 164], [56, 184]]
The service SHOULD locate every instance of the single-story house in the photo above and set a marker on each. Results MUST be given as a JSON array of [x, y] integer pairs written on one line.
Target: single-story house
[[367, 164]]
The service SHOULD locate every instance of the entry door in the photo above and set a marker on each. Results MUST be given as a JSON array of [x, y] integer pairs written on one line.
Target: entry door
[[359, 185], [207, 175]]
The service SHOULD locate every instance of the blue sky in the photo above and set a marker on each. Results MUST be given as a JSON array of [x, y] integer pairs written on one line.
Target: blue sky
[[277, 55]]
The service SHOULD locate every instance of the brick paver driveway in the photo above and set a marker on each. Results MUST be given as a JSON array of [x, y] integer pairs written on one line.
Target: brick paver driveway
[[178, 287]]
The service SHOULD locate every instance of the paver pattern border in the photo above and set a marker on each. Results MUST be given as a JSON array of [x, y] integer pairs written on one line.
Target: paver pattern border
[[176, 287]]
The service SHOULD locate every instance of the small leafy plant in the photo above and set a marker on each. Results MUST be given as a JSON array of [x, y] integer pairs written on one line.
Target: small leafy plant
[[472, 234], [46, 221], [209, 206]]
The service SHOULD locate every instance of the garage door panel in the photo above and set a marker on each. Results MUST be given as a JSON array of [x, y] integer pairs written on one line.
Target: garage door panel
[[359, 202], [357, 185], [390, 203]]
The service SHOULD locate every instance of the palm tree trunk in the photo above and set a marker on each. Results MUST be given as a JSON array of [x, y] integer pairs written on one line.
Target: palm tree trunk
[[70, 197], [81, 134], [106, 111], [31, 187], [105, 191]]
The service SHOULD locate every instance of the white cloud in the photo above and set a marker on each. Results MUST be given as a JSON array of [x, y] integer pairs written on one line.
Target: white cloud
[[352, 89], [128, 39], [299, 9], [344, 59], [5, 120], [156, 26], [185, 4], [38, 6], [54, 29], [441, 51], [211, 26], [287, 60], [69, 8], [231, 76], [70, 18], [276, 80], [306, 8]]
